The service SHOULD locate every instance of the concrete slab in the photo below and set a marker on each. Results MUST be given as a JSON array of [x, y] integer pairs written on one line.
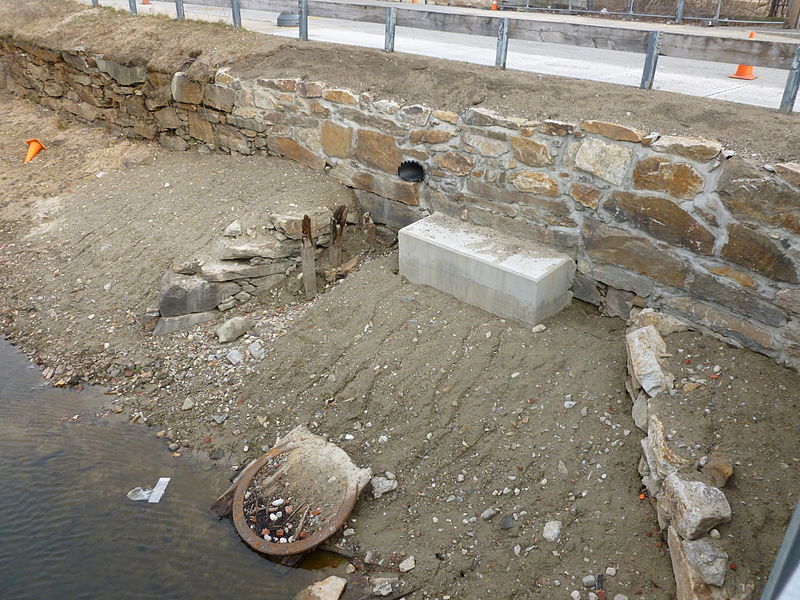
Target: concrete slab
[[500, 274]]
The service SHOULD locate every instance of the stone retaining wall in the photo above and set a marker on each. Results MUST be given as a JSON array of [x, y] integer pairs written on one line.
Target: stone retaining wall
[[674, 223]]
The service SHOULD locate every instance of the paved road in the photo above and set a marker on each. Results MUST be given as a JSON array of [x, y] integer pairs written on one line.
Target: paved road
[[691, 77]]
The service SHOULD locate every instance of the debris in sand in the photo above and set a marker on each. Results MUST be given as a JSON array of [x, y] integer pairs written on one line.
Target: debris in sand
[[408, 564], [187, 404], [552, 531], [382, 485]]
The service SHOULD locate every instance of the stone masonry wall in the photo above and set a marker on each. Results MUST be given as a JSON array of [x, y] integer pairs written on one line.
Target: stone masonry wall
[[674, 223]]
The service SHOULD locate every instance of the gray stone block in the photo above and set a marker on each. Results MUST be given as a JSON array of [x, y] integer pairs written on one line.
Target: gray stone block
[[184, 294], [486, 268], [167, 325]]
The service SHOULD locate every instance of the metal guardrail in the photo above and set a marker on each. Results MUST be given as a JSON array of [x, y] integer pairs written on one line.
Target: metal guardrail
[[652, 44], [588, 7]]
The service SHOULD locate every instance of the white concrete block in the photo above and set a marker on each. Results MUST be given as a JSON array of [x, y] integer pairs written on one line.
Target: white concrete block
[[486, 268]]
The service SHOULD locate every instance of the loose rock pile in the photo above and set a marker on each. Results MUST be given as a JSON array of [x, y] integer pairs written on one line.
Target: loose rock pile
[[688, 510], [243, 262]]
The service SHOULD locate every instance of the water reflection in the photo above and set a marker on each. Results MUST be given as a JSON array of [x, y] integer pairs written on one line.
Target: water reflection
[[67, 529]]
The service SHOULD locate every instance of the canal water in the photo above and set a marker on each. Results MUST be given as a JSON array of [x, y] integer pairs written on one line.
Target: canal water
[[67, 529]]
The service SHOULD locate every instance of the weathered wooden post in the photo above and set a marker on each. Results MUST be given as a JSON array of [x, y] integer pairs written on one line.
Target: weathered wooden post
[[307, 260], [338, 222]]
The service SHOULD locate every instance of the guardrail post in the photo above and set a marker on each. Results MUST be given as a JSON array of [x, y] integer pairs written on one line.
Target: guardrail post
[[679, 11], [792, 83], [132, 6], [651, 59], [236, 14], [630, 7], [303, 14], [719, 10], [95, 3], [391, 22], [180, 15], [502, 44]]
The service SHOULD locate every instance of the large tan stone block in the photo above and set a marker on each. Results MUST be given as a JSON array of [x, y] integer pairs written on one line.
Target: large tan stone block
[[661, 218], [286, 146], [186, 90], [607, 160], [530, 152], [757, 196], [679, 180], [759, 253], [454, 162], [535, 183], [337, 140], [694, 148], [613, 131], [377, 150], [617, 247]]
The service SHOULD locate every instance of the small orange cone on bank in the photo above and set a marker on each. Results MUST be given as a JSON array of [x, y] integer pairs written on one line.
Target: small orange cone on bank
[[494, 5], [745, 71], [34, 147]]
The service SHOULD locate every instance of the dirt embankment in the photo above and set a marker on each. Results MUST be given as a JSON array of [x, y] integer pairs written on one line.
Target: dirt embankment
[[492, 431], [199, 47]]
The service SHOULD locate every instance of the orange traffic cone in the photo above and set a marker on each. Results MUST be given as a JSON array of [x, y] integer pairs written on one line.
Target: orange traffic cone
[[145, 1], [494, 5], [34, 147], [745, 71]]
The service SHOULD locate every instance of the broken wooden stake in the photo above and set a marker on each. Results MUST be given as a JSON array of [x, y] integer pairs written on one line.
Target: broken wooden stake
[[307, 258], [338, 222], [369, 229]]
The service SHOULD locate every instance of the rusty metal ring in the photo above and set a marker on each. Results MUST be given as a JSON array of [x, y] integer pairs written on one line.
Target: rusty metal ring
[[258, 543]]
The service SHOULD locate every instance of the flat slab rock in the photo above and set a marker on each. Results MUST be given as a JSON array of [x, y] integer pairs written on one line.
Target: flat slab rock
[[645, 349], [327, 589]]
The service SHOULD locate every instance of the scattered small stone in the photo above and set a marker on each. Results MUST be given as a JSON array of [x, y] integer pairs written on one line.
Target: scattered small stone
[[570, 404], [562, 468], [234, 357], [382, 485], [507, 522], [256, 350], [347, 532], [488, 514], [407, 564], [384, 588], [538, 328], [575, 595], [590, 581], [174, 447], [233, 229], [216, 454], [517, 550], [219, 419], [714, 533], [552, 531], [232, 329], [620, 597], [611, 571], [187, 405]]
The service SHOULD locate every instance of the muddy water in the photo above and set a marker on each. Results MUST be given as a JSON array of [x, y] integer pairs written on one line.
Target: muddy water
[[67, 529]]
